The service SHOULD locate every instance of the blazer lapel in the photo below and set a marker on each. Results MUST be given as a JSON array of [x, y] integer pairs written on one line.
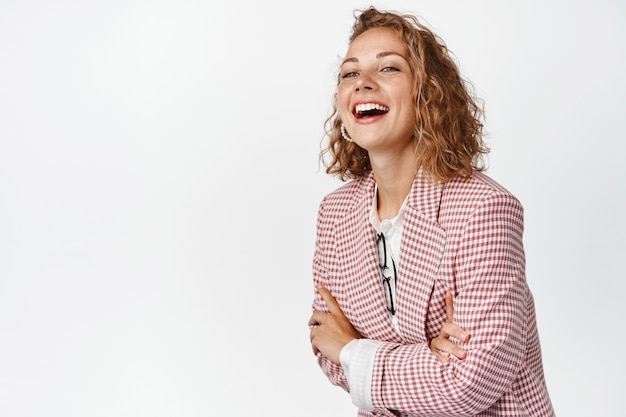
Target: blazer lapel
[[356, 252], [423, 244]]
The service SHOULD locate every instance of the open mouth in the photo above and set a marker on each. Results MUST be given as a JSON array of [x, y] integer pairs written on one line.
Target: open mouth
[[369, 110]]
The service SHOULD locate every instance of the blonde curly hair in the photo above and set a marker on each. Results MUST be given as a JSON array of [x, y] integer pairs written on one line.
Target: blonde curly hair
[[449, 129]]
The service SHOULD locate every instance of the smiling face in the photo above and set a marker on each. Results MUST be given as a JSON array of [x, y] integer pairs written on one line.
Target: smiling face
[[375, 92]]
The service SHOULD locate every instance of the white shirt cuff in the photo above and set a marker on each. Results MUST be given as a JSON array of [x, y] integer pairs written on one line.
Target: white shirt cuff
[[357, 360]]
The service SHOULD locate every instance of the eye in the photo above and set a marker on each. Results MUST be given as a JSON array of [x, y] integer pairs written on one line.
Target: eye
[[349, 74], [389, 69]]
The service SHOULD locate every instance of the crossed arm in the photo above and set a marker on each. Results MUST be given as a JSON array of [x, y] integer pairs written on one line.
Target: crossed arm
[[331, 331]]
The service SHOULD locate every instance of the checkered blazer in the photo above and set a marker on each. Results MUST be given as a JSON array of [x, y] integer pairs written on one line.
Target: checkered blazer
[[463, 236]]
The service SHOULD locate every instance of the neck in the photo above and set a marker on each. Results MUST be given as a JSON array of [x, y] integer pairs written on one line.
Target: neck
[[394, 180]]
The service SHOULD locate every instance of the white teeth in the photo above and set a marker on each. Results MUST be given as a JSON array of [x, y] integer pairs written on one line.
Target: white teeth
[[360, 108]]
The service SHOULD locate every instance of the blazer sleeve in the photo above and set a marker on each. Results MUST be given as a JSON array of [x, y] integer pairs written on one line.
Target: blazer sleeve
[[320, 277], [490, 303]]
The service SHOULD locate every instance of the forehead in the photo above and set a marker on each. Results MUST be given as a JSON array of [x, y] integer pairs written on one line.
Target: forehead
[[376, 40]]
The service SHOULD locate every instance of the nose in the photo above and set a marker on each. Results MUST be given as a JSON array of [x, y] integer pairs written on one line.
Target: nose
[[365, 82]]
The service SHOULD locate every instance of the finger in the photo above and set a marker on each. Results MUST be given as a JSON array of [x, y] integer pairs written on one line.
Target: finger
[[317, 318], [433, 348], [330, 301], [449, 307], [444, 345], [454, 330], [311, 337], [439, 356]]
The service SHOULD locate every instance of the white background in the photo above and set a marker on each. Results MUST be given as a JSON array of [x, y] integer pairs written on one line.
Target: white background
[[159, 185]]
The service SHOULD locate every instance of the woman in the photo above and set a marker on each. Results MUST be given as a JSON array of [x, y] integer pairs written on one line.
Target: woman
[[418, 225]]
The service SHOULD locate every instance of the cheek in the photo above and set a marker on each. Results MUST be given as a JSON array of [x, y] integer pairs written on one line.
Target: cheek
[[343, 101], [408, 105]]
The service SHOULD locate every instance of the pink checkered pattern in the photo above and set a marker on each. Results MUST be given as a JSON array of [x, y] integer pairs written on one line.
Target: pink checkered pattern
[[465, 236]]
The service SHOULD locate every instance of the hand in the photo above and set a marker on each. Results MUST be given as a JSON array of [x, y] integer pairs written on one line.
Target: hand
[[442, 343], [331, 331]]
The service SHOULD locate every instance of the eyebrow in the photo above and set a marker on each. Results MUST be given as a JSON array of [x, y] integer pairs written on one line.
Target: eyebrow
[[378, 56]]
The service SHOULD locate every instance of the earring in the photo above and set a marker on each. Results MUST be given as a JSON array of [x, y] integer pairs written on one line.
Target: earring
[[344, 134]]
